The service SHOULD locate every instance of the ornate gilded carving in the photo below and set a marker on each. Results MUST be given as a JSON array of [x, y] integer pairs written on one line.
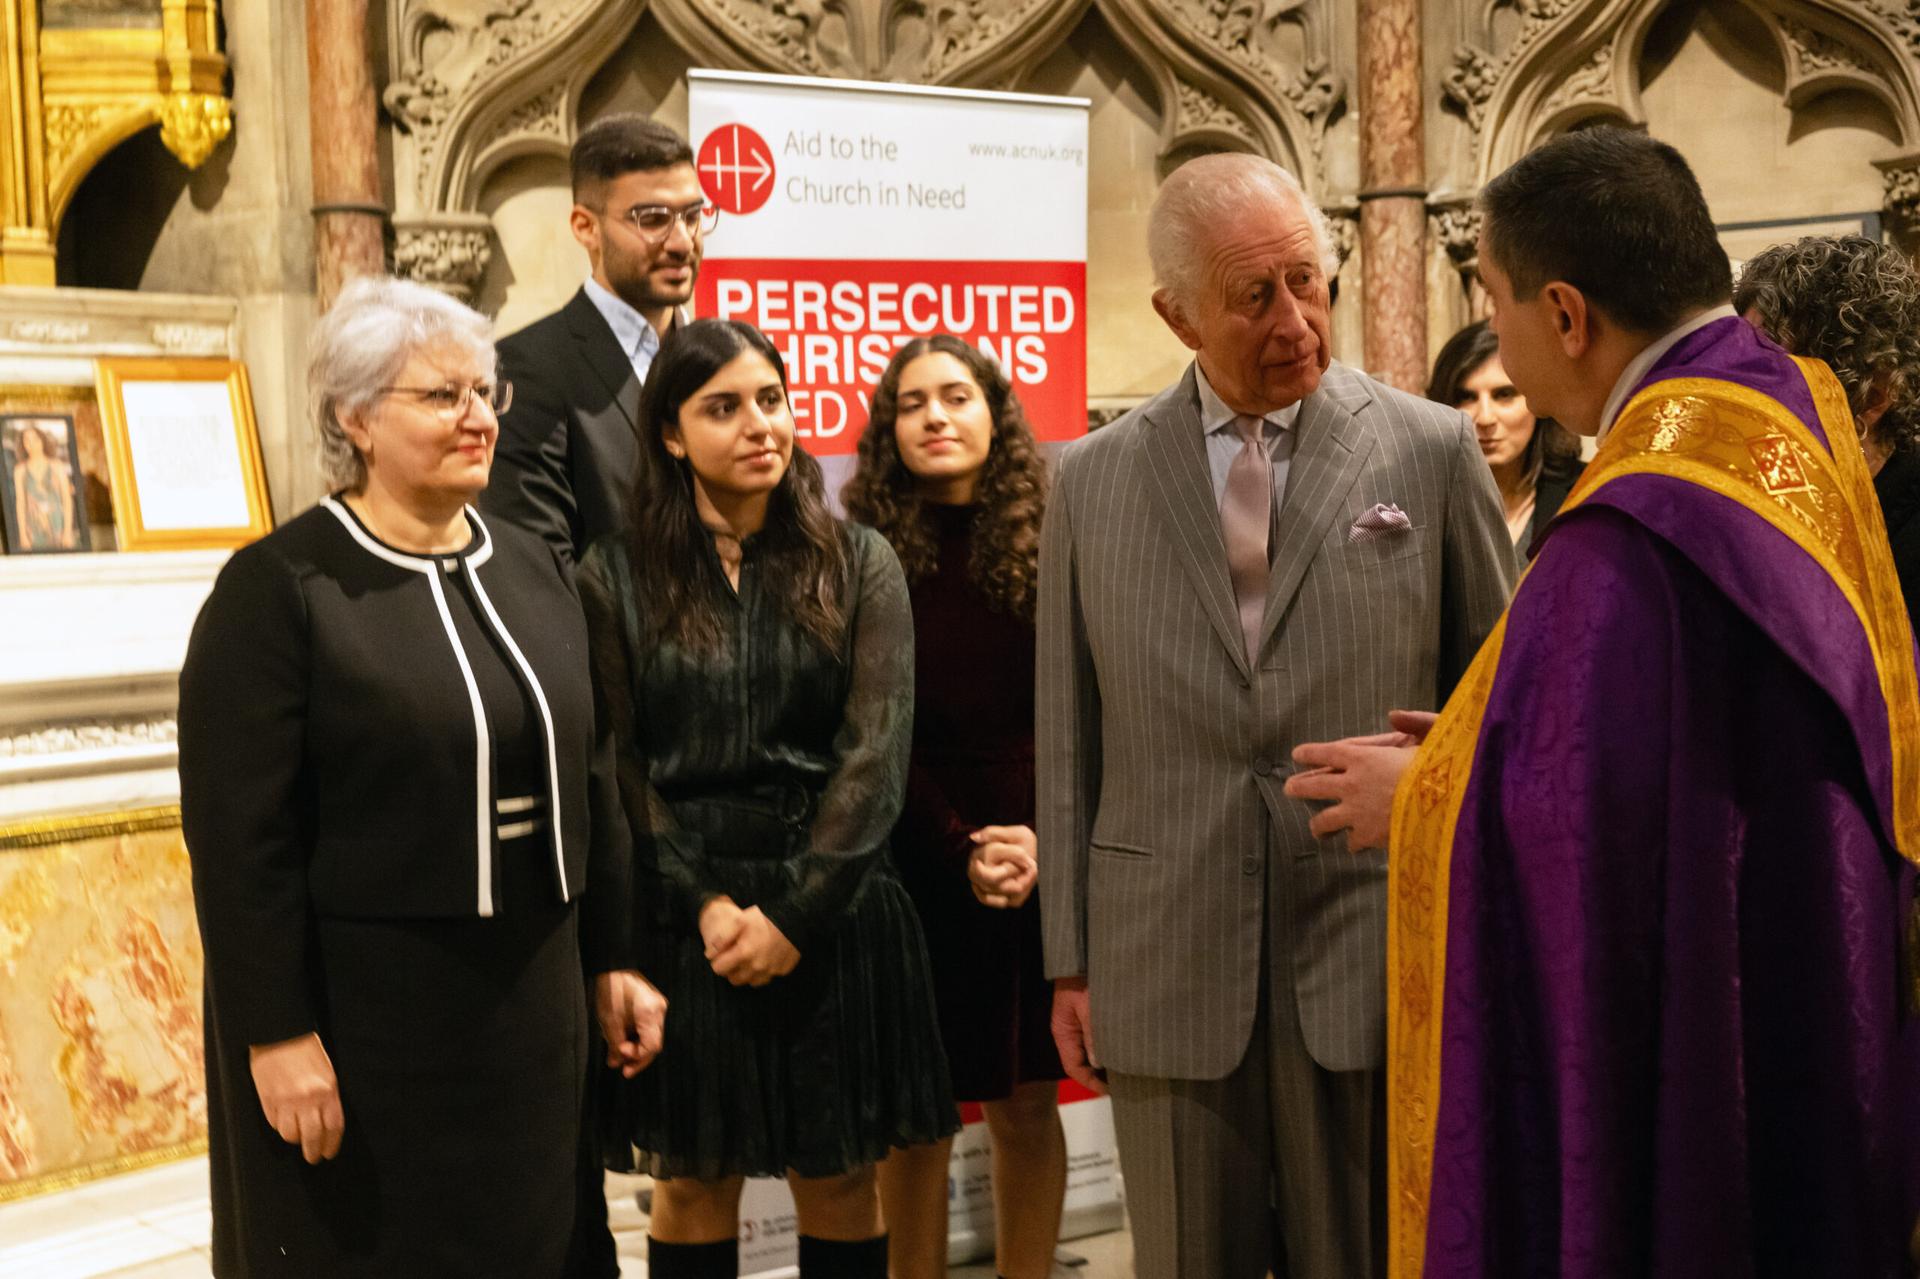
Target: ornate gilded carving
[[449, 254], [70, 125], [193, 124], [82, 87]]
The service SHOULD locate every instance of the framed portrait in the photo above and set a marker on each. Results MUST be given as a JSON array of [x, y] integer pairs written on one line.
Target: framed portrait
[[44, 494], [183, 453]]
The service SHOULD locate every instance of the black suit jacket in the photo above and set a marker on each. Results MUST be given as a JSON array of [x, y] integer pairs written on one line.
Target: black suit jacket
[[1548, 496], [568, 447]]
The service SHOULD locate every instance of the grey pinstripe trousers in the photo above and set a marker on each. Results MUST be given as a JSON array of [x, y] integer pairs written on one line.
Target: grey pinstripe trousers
[[1279, 1166]]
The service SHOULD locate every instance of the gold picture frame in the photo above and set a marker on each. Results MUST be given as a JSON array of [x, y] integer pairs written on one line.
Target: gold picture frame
[[101, 1067], [183, 452]]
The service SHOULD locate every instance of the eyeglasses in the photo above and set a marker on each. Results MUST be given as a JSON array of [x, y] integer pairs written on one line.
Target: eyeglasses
[[655, 221], [450, 401]]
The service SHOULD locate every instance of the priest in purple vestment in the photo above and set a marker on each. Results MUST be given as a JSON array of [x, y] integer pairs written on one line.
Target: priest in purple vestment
[[1650, 870]]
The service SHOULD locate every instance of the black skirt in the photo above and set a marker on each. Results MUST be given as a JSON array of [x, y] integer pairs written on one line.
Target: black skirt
[[460, 1048], [817, 1073]]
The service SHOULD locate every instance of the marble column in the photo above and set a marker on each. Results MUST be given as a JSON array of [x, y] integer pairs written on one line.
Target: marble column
[[349, 213], [1393, 175]]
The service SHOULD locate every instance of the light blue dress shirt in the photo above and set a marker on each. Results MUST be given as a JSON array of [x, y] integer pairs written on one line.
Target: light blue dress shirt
[[1223, 442], [630, 328]]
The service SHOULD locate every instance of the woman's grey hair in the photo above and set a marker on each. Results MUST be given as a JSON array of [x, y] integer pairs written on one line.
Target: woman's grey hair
[[1854, 303], [1199, 195], [360, 346]]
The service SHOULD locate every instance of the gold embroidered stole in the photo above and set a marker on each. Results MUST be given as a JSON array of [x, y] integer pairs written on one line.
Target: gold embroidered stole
[[1751, 450]]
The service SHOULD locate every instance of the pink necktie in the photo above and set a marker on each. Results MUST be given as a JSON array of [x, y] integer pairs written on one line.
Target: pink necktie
[[1245, 514]]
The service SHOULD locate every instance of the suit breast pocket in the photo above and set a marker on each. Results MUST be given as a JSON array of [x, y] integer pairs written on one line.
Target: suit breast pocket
[[1404, 545]]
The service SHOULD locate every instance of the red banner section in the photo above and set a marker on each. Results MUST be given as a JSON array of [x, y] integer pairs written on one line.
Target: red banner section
[[837, 323]]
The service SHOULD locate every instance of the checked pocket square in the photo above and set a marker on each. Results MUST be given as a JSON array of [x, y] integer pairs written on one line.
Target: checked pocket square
[[1384, 520]]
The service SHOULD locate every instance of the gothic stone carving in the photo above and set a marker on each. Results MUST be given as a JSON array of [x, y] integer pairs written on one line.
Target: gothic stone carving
[[1901, 204], [1456, 228], [447, 252]]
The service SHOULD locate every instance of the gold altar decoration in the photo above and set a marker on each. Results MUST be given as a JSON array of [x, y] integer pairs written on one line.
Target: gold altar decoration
[[82, 76], [102, 1066]]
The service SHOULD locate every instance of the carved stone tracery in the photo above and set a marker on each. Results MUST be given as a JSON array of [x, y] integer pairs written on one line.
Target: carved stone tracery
[[475, 81]]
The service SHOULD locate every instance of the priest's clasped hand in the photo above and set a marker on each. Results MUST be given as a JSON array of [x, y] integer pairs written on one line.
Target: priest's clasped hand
[[1356, 777], [744, 946]]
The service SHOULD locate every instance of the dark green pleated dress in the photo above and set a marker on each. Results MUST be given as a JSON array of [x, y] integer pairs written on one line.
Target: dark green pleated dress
[[772, 772]]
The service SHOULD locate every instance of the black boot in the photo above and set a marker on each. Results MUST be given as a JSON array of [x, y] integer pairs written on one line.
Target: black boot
[[834, 1259], [693, 1260]]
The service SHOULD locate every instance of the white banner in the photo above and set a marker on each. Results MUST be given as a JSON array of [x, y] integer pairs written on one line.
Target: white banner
[[855, 217]]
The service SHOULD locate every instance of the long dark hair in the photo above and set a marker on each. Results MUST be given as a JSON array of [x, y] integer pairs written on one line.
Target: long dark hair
[[1005, 563], [802, 547], [1553, 453]]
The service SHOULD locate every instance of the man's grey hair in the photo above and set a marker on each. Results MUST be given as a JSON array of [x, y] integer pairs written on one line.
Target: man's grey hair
[[363, 342], [1854, 303], [1199, 196]]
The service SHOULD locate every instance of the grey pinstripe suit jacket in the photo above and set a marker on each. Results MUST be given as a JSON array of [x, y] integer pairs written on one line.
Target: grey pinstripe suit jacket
[[1161, 752]]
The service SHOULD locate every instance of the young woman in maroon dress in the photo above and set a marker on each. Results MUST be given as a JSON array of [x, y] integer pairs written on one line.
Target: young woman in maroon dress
[[949, 473]]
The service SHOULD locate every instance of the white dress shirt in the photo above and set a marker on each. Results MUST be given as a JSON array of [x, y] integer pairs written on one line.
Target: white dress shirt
[[636, 337]]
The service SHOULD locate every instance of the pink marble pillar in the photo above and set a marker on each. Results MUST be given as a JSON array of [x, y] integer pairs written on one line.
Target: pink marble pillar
[[1393, 181], [349, 212]]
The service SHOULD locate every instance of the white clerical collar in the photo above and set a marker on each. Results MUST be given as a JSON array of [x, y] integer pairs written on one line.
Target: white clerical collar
[[1215, 415], [1637, 368]]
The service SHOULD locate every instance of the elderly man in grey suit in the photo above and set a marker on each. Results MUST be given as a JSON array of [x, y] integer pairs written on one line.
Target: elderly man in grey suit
[[1276, 549]]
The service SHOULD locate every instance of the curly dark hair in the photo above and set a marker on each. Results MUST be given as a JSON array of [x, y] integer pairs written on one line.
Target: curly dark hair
[[1553, 453], [1012, 492], [803, 547], [1854, 303]]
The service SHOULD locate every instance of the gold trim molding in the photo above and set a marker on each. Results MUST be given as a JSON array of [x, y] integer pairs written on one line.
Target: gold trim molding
[[73, 94]]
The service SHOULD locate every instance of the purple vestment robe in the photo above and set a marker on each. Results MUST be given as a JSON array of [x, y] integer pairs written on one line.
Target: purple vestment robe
[[1671, 1022]]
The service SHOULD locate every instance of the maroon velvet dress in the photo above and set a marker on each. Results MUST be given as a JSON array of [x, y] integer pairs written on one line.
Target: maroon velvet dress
[[972, 767]]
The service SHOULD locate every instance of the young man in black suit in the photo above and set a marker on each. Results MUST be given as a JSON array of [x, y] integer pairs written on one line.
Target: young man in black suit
[[567, 450]]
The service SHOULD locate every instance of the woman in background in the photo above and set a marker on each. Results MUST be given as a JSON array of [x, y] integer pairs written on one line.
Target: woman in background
[[1535, 460], [949, 472], [757, 655]]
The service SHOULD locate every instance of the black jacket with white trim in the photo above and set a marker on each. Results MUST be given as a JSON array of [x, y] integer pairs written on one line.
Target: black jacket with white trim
[[334, 759]]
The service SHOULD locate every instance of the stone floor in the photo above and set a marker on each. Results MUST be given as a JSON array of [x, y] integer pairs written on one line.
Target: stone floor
[[153, 1225]]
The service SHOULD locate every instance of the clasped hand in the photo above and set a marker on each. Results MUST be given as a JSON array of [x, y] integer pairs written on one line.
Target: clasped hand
[[1003, 865], [300, 1095], [633, 1019], [1356, 778], [744, 946]]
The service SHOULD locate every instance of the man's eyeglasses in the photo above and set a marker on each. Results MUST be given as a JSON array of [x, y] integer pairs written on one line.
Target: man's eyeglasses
[[655, 221], [450, 401]]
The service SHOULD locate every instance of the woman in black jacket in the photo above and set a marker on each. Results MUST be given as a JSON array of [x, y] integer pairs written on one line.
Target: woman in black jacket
[[1535, 461], [395, 798]]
